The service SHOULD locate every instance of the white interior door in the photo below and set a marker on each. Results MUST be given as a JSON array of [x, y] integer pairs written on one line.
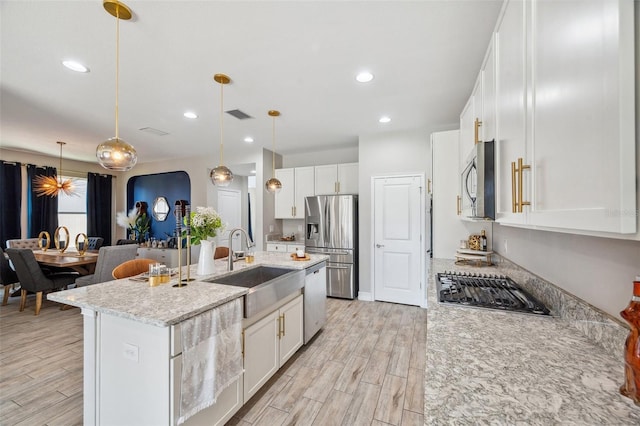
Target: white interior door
[[398, 230], [230, 210]]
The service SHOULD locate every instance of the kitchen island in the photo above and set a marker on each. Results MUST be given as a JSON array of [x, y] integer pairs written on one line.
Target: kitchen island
[[133, 341], [493, 367]]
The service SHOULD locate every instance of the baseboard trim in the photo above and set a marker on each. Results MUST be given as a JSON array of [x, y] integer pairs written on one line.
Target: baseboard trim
[[365, 296]]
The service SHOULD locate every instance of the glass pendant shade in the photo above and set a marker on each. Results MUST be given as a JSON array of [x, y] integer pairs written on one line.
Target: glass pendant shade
[[116, 154], [221, 176], [273, 185]]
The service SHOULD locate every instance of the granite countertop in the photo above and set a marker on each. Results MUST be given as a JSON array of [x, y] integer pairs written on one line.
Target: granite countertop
[[166, 305], [502, 368]]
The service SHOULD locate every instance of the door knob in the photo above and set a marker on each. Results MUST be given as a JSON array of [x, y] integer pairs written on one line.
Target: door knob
[[379, 245]]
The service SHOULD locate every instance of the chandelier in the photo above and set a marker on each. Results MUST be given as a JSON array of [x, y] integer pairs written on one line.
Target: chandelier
[[53, 185]]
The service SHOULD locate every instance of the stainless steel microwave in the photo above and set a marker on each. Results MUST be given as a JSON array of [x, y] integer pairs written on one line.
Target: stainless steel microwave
[[478, 182]]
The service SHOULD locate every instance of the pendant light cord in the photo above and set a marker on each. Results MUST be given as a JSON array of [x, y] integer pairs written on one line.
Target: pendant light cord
[[60, 171], [117, 63], [273, 148], [221, 124]]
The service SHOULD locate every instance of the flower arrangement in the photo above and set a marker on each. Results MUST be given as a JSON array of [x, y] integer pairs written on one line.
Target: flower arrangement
[[205, 222], [127, 221], [134, 222]]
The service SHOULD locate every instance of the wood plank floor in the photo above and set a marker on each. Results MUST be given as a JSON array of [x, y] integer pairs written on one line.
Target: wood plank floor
[[365, 367]]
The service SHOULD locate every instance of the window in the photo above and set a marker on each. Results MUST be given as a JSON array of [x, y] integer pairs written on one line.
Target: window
[[72, 209]]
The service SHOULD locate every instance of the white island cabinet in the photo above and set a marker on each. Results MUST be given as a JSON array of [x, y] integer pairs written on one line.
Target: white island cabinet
[[269, 342], [133, 344]]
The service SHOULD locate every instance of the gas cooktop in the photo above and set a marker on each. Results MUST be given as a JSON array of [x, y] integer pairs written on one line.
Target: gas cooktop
[[486, 291]]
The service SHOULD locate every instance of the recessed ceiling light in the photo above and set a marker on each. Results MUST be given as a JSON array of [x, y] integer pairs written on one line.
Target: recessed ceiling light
[[190, 114], [75, 66], [364, 77], [384, 119], [253, 172], [248, 139]]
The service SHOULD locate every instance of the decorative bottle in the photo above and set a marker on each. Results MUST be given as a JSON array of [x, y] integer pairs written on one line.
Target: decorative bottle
[[483, 241], [631, 386]]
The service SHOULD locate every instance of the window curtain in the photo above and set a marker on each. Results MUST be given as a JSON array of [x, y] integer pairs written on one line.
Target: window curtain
[[41, 211], [99, 216], [10, 201]]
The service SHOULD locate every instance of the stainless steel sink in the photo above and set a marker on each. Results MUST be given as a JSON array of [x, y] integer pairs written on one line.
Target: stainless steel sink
[[266, 285]]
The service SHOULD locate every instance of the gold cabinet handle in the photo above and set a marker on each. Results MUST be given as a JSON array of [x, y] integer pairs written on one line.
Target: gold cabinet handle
[[476, 130], [283, 325], [458, 208], [514, 201], [338, 187], [429, 186], [280, 326], [516, 178]]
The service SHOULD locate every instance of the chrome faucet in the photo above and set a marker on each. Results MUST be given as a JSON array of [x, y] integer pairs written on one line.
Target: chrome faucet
[[250, 244]]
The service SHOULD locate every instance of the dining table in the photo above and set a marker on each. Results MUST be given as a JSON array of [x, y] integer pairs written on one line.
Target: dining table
[[84, 264]]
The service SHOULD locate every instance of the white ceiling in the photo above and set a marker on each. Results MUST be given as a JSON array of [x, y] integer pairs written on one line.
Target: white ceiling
[[299, 57]]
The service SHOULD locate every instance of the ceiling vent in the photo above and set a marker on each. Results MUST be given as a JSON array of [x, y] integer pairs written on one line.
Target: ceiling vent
[[154, 131], [239, 114]]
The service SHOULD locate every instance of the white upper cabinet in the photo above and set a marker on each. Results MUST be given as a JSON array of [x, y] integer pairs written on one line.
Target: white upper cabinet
[[511, 93], [471, 123], [565, 116], [297, 183], [582, 117], [336, 179]]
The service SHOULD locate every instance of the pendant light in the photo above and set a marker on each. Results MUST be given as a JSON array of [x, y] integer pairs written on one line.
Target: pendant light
[[53, 185], [115, 153], [221, 175], [273, 185]]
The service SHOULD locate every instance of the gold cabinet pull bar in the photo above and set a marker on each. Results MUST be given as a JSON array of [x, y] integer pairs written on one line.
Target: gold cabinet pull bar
[[458, 208], [521, 168], [514, 200], [476, 130]]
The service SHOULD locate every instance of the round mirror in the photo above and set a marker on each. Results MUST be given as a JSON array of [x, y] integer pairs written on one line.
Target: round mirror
[[160, 209]]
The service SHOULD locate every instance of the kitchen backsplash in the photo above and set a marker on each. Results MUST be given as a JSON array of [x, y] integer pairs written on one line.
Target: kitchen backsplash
[[602, 328]]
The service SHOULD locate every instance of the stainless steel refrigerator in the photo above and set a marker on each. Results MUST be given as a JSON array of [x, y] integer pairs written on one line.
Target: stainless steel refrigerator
[[331, 225]]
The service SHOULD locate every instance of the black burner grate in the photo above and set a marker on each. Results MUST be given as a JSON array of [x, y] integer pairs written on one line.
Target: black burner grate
[[487, 291]]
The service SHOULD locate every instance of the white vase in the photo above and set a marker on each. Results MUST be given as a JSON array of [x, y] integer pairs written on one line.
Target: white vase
[[206, 265]]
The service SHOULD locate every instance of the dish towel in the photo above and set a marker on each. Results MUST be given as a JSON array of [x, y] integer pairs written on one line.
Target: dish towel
[[211, 356]]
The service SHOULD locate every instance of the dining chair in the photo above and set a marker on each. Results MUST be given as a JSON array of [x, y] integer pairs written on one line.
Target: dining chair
[[8, 276], [94, 243], [30, 243], [221, 252], [133, 267], [108, 258], [33, 279]]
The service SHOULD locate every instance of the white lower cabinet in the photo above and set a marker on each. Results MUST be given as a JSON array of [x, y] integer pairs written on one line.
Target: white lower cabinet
[[270, 342]]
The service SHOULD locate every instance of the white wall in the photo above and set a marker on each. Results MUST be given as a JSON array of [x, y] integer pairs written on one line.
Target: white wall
[[389, 153]]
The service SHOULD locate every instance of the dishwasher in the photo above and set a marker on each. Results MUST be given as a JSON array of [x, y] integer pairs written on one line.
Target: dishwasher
[[315, 300]]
